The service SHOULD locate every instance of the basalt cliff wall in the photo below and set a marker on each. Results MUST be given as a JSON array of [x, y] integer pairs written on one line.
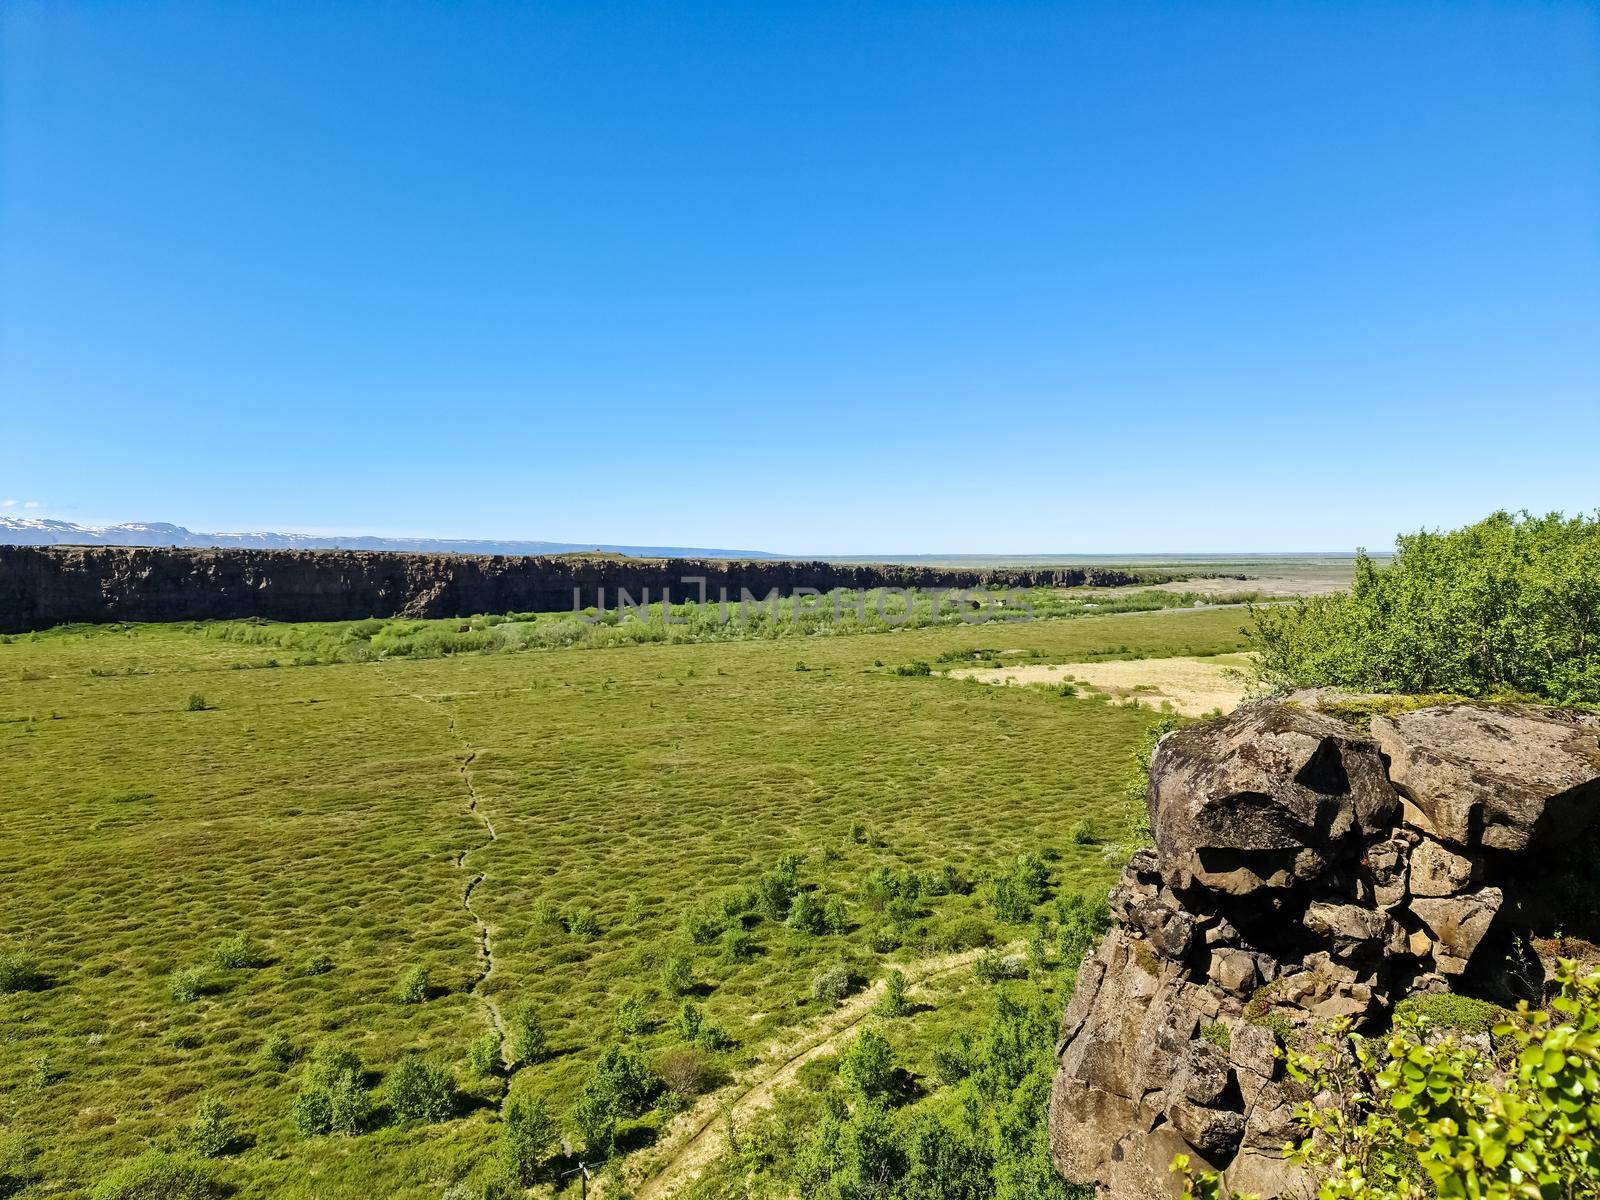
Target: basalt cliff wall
[[1308, 864], [41, 586]]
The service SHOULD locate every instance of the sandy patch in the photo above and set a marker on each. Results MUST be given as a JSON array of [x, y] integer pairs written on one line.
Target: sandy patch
[[1190, 686]]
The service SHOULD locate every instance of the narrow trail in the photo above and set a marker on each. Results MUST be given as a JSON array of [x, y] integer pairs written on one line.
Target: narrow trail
[[698, 1137], [485, 946]]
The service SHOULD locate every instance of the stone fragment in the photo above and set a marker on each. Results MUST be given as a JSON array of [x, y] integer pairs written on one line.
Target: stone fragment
[[1234, 971], [1457, 924], [1436, 871], [1491, 775], [1352, 931]]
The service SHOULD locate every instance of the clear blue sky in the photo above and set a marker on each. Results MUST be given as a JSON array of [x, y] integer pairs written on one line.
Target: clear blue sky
[[815, 277]]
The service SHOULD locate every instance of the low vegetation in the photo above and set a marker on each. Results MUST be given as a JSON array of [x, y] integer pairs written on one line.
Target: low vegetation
[[243, 947]]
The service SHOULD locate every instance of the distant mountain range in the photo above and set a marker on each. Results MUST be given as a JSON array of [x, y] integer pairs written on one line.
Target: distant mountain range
[[38, 531]]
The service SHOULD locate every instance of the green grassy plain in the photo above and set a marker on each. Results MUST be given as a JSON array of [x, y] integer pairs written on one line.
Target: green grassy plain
[[323, 810]]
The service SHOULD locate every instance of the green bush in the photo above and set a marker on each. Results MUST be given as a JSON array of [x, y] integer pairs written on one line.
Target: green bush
[[156, 1175], [188, 984], [834, 984], [278, 1051], [330, 1060], [867, 1066], [1440, 1120], [893, 1003], [677, 973], [420, 1090], [239, 952], [1511, 604], [738, 946], [483, 1056], [581, 922], [914, 668], [806, 915], [526, 1037], [20, 972], [704, 923], [415, 986], [313, 1112], [213, 1131], [195, 703], [351, 1105], [632, 1016], [527, 1136]]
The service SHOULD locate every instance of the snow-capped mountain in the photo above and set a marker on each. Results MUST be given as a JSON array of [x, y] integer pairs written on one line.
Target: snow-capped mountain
[[41, 531]]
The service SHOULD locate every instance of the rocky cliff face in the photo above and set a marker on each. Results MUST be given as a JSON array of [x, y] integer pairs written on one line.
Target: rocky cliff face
[[1306, 868], [42, 586]]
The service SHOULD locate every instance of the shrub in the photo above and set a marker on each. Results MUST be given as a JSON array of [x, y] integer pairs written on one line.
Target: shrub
[[278, 1051], [738, 946], [1083, 923], [992, 968], [867, 1066], [963, 933], [632, 1016], [953, 1058], [1511, 604], [350, 1105], [836, 915], [685, 1070], [156, 1175], [528, 1041], [415, 986], [239, 952], [195, 703], [1083, 834], [330, 1061], [421, 1091], [318, 964], [677, 973], [190, 983], [213, 1132], [20, 972], [483, 1056], [834, 984], [703, 923], [527, 1135], [313, 1112], [914, 668], [776, 888], [1437, 1118], [581, 922], [806, 915], [894, 1002]]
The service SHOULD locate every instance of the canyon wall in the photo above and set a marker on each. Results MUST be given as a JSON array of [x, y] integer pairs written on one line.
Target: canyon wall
[[41, 586], [1313, 862]]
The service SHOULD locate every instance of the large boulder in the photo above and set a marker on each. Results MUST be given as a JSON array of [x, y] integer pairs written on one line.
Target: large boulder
[[1493, 775], [1265, 799]]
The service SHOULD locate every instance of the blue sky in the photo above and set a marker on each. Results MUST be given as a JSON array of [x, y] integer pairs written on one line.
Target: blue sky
[[823, 277]]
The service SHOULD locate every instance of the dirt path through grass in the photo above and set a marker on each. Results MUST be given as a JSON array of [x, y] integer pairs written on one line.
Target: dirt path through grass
[[695, 1139]]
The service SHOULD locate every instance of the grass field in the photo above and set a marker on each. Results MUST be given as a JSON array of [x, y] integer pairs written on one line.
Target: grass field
[[166, 790]]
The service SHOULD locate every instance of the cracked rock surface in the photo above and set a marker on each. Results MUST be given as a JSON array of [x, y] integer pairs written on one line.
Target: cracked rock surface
[[1304, 868]]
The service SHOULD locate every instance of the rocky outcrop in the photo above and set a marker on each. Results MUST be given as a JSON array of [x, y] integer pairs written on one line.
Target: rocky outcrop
[[1303, 868], [41, 586]]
